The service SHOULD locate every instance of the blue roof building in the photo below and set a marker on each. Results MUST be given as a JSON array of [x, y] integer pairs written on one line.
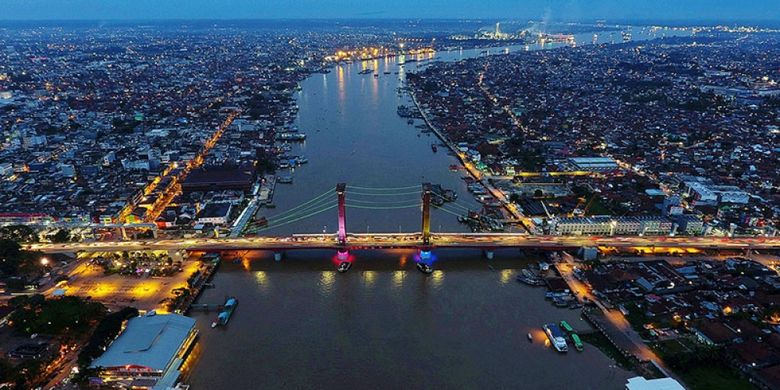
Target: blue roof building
[[148, 353]]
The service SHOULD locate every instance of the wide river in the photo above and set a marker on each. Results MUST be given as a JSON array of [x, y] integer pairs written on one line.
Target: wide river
[[383, 324]]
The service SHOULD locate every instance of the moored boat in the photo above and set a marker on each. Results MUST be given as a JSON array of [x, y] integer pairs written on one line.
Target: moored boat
[[227, 311], [556, 336]]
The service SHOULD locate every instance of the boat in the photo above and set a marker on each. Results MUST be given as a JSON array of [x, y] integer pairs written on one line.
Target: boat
[[424, 268], [344, 266], [577, 342], [227, 310], [291, 136], [434, 148], [285, 179], [530, 337], [366, 71], [565, 325], [262, 221], [302, 160], [387, 72], [556, 337], [531, 281], [410, 122], [376, 75]]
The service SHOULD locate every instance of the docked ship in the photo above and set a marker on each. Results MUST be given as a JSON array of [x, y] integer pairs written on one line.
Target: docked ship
[[556, 336], [227, 311]]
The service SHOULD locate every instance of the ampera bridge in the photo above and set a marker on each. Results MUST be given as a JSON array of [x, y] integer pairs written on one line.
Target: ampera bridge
[[423, 241]]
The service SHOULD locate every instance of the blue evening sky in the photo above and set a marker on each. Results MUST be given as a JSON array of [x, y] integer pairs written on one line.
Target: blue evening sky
[[718, 10]]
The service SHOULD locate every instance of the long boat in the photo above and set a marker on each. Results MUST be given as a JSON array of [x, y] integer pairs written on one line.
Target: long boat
[[577, 342], [227, 310]]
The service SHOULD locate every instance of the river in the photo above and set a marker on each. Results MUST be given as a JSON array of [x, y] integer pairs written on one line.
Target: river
[[299, 324]]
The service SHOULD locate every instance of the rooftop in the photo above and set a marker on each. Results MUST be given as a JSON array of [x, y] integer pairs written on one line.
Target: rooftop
[[148, 341]]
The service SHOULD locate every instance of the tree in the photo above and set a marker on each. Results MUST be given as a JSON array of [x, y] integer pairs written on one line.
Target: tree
[[56, 316], [62, 235], [10, 252], [108, 328]]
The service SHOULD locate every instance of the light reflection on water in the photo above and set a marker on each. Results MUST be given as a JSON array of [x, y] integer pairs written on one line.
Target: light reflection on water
[[262, 280], [506, 275], [368, 278], [398, 278], [437, 278], [326, 281]]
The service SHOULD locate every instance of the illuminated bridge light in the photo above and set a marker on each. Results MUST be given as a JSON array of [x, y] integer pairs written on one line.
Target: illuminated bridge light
[[425, 257]]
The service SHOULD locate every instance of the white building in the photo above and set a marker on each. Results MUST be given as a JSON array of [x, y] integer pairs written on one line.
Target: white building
[[640, 383]]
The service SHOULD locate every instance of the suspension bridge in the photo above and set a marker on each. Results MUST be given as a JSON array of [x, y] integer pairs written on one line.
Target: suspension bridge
[[258, 234]]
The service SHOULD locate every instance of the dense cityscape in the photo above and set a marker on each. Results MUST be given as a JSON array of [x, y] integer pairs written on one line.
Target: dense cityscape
[[589, 204]]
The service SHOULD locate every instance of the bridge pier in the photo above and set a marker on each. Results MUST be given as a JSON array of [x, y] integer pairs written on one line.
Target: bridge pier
[[342, 255], [426, 213], [489, 253], [341, 190], [278, 255]]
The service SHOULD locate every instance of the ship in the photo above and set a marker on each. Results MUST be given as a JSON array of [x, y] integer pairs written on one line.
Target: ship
[[344, 266], [424, 268], [434, 148], [577, 342], [556, 336], [291, 136], [227, 310]]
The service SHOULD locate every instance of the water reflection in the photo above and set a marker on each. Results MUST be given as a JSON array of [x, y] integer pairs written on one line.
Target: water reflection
[[437, 278], [398, 278], [262, 280], [368, 278], [506, 275], [326, 281]]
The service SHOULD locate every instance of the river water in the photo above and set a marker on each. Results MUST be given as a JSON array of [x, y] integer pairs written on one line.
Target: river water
[[299, 324]]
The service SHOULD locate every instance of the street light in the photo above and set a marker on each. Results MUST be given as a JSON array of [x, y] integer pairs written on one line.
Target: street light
[[44, 261]]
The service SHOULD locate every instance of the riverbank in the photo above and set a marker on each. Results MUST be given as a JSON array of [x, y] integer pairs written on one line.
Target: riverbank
[[469, 167]]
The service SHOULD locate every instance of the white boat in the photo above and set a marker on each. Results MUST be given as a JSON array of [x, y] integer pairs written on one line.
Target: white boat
[[557, 339]]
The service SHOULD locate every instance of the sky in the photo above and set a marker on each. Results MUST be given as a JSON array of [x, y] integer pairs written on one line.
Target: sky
[[711, 10]]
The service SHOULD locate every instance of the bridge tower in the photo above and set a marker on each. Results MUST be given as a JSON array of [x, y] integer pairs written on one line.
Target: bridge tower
[[341, 191], [426, 213]]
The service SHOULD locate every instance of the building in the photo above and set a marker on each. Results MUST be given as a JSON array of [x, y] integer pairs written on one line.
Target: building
[[593, 164], [148, 353], [218, 178], [640, 383], [610, 226], [215, 213]]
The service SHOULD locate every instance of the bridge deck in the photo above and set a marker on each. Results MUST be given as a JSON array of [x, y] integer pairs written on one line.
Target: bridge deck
[[414, 241]]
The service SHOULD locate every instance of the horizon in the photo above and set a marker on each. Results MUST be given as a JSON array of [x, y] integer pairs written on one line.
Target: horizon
[[553, 11]]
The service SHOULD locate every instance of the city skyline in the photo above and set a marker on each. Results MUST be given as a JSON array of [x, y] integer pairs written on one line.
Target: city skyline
[[664, 10]]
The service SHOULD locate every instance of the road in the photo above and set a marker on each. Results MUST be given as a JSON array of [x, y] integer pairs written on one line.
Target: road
[[487, 241]]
